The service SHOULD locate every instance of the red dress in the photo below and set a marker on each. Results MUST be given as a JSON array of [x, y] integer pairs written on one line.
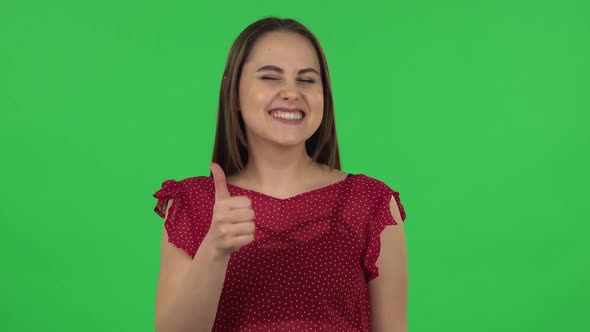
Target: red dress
[[311, 259]]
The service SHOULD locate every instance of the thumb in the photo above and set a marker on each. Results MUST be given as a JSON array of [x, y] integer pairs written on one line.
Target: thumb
[[221, 190]]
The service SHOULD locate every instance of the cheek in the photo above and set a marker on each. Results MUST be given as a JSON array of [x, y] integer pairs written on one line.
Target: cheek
[[251, 91], [317, 100], [260, 95]]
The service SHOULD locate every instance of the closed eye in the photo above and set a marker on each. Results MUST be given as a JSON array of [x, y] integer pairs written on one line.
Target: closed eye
[[272, 78]]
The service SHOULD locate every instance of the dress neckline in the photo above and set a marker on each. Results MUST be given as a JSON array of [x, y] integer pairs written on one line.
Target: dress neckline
[[330, 186]]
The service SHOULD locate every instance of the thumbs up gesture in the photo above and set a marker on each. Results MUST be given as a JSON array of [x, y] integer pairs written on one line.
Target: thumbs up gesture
[[232, 225]]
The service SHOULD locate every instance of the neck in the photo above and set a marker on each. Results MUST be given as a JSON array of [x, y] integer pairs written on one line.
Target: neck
[[272, 167]]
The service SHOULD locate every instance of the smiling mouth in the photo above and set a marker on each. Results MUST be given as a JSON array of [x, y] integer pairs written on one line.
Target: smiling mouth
[[289, 114]]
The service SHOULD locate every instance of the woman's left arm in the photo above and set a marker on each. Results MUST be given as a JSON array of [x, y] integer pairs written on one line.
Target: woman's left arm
[[389, 290]]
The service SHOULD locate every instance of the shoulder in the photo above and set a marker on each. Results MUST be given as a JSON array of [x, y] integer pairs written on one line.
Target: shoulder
[[199, 185], [387, 199], [381, 195], [373, 186], [195, 193], [186, 187]]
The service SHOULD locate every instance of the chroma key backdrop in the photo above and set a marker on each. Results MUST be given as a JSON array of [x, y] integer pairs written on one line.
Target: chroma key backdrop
[[476, 111]]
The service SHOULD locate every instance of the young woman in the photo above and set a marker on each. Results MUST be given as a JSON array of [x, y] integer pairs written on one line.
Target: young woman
[[277, 237]]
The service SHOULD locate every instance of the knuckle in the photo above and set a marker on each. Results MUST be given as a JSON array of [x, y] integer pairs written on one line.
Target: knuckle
[[216, 210], [223, 216], [234, 244], [223, 231]]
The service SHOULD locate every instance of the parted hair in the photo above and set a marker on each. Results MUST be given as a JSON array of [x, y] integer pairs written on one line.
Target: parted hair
[[230, 149]]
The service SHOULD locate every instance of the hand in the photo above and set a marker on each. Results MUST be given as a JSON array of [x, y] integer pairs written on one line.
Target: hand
[[232, 225]]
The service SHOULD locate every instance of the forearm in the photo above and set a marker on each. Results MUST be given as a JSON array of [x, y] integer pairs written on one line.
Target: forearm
[[193, 307]]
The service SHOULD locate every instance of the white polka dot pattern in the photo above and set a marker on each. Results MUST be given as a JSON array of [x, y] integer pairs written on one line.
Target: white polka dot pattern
[[311, 259]]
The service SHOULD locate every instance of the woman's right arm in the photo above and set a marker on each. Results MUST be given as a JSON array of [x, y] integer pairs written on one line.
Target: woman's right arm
[[188, 289]]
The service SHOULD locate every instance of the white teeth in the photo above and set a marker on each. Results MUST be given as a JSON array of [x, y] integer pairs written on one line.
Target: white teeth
[[287, 115]]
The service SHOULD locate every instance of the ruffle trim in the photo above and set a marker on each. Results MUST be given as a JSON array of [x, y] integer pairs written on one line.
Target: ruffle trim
[[179, 225], [381, 219], [169, 189]]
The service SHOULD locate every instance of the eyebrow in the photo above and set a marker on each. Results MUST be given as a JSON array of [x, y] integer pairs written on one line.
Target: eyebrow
[[279, 70]]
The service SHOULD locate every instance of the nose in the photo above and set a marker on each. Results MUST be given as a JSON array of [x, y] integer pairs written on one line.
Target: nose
[[290, 91]]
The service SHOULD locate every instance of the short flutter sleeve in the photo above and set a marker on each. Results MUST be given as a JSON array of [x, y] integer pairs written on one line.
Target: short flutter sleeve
[[381, 218], [179, 224]]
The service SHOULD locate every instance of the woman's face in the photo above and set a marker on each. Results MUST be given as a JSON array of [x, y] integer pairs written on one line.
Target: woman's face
[[261, 90]]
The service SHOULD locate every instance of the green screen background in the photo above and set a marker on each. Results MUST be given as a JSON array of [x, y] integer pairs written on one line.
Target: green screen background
[[475, 111]]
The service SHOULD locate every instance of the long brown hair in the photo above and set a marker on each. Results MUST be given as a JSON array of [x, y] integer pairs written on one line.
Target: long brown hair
[[230, 149]]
